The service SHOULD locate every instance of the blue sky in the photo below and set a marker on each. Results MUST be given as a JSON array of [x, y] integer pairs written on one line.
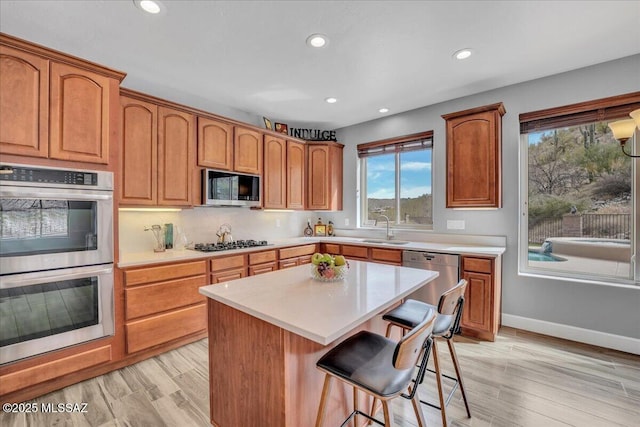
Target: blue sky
[[415, 178]]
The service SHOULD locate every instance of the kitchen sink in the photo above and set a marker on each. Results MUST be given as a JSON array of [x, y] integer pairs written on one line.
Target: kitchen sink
[[386, 242]]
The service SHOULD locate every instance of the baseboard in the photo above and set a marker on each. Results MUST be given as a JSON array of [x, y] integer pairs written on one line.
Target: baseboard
[[587, 336]]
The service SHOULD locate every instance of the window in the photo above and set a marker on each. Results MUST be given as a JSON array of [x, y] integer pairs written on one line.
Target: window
[[395, 181], [579, 193]]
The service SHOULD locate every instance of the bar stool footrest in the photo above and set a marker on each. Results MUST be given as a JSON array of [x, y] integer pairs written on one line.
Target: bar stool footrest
[[358, 412], [449, 396]]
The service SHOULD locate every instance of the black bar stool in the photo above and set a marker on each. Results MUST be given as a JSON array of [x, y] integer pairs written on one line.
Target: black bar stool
[[380, 367], [447, 322]]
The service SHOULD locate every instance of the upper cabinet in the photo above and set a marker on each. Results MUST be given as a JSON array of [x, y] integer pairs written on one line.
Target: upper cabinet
[[474, 168], [284, 173], [215, 144], [157, 146], [55, 106], [324, 176], [247, 151]]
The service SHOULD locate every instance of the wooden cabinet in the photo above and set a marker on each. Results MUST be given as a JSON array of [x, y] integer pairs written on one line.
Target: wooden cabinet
[[247, 151], [481, 315], [156, 153], [162, 303], [474, 153], [324, 176], [275, 173], [215, 144], [228, 268], [296, 255], [284, 174], [55, 106], [386, 256], [355, 252], [263, 262], [364, 253], [24, 103]]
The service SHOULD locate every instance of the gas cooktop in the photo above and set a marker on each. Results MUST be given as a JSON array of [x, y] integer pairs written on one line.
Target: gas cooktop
[[238, 244]]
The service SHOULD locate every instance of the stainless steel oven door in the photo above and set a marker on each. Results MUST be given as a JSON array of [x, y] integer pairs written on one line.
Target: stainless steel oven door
[[41, 312], [51, 228]]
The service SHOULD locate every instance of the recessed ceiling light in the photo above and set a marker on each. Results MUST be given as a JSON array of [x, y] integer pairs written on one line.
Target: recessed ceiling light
[[383, 110], [331, 100], [317, 40], [150, 6], [462, 53]]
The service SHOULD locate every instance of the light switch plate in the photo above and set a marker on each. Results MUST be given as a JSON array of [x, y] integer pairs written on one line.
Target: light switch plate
[[455, 224], [346, 221]]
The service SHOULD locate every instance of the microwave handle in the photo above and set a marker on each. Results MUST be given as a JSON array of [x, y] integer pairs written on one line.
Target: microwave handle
[[7, 282], [45, 195]]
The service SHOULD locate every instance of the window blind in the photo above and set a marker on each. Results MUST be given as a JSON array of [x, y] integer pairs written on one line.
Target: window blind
[[413, 142]]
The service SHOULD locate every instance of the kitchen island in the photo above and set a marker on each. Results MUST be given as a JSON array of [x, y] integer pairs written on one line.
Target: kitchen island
[[266, 333]]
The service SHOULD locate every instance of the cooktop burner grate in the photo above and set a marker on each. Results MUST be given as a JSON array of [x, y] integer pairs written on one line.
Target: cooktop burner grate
[[238, 244]]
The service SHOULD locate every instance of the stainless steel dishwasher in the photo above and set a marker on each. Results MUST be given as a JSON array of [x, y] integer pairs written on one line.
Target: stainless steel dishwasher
[[445, 264]]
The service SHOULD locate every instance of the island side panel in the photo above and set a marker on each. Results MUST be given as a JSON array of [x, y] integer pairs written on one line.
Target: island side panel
[[246, 369]]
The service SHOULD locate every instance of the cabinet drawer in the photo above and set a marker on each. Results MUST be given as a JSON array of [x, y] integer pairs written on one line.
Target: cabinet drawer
[[297, 251], [150, 299], [480, 265], [288, 263], [262, 257], [54, 369], [332, 249], [355, 251], [225, 276], [304, 260], [262, 268], [165, 272], [166, 327], [223, 263], [387, 255]]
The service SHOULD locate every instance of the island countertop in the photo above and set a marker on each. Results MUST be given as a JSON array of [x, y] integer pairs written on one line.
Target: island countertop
[[320, 311]]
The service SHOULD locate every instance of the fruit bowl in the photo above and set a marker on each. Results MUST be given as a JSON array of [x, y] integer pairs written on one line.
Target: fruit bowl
[[328, 273]]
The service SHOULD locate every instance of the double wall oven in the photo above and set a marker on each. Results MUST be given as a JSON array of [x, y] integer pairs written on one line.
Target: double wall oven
[[56, 259]]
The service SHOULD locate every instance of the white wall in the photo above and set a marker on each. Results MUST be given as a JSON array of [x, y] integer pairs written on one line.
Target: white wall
[[611, 310]]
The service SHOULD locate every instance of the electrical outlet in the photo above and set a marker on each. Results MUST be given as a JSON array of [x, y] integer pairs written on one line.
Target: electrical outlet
[[346, 221], [455, 224], [277, 223]]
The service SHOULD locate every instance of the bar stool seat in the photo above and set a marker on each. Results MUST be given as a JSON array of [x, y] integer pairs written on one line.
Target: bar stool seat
[[380, 367], [410, 313]]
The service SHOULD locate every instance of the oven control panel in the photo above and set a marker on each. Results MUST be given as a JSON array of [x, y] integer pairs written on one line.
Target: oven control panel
[[48, 176]]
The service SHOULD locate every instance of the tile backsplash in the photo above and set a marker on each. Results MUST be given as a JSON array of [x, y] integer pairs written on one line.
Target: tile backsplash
[[200, 225]]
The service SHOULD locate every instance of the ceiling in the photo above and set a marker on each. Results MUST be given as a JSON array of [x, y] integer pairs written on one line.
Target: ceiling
[[251, 55]]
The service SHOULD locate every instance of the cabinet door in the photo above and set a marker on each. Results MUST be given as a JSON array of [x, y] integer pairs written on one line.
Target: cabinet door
[[247, 151], [295, 175], [175, 157], [215, 144], [24, 103], [474, 157], [318, 189], [80, 115], [227, 275], [477, 304], [275, 176], [138, 152]]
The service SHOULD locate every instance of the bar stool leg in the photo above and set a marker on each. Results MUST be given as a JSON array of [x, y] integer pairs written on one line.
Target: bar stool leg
[[388, 414], [415, 401], [436, 363], [323, 400], [456, 365], [355, 406]]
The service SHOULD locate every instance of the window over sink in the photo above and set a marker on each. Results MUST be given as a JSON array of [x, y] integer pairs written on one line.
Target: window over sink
[[395, 182]]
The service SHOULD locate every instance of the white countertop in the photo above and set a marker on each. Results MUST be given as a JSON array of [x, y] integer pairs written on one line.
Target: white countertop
[[145, 258], [320, 311]]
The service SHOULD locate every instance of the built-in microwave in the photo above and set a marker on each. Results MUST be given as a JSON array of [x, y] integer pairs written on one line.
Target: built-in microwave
[[221, 188]]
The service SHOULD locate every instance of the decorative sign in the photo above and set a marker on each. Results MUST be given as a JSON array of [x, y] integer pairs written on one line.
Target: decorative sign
[[267, 123], [306, 134], [282, 128]]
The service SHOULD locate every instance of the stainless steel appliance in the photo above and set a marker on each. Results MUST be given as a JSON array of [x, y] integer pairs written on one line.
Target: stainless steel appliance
[[236, 244], [445, 264], [230, 189], [45, 311], [56, 259], [54, 218]]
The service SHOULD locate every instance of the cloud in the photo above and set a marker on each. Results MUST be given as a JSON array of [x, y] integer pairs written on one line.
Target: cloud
[[415, 191], [383, 193], [416, 166]]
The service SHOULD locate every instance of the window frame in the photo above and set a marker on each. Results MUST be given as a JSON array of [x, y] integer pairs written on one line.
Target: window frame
[[397, 146], [605, 109]]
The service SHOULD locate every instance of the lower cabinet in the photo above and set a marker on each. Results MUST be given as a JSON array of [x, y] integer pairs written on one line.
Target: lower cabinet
[[263, 262], [297, 255], [162, 303], [228, 268], [481, 315]]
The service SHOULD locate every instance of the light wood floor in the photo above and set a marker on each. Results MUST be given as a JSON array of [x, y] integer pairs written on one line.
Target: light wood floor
[[522, 379]]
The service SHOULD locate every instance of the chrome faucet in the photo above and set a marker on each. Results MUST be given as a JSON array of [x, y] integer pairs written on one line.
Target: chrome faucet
[[389, 235]]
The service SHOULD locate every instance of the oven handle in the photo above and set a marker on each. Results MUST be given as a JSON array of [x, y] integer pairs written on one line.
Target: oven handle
[[21, 194], [28, 279]]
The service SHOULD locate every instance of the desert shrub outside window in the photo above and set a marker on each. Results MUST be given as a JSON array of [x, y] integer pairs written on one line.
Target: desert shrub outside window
[[579, 193], [395, 181]]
